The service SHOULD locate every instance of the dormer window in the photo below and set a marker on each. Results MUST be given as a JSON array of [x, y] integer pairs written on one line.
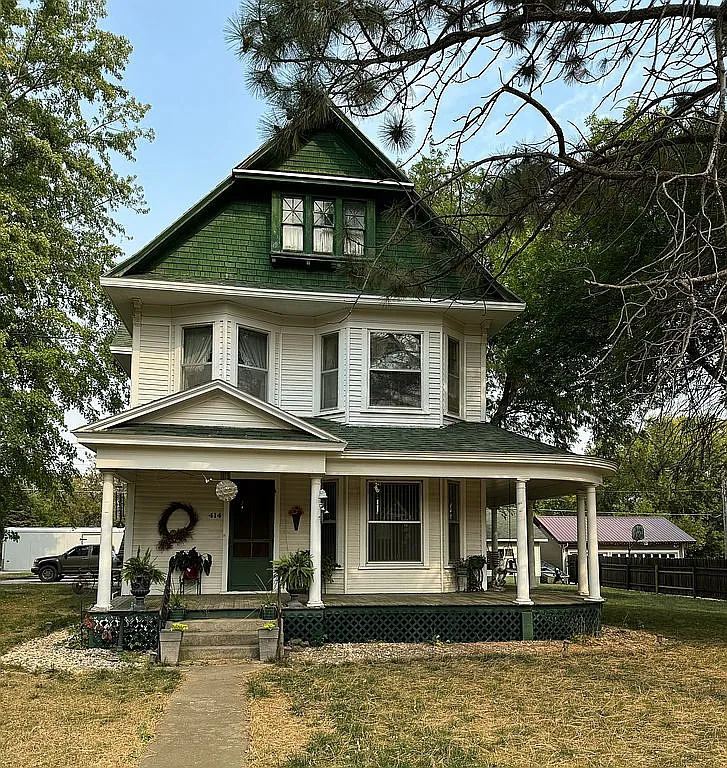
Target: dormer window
[[323, 224], [196, 355], [319, 227], [293, 223]]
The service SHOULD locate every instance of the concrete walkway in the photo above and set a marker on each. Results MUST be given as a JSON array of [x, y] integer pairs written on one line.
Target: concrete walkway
[[205, 725]]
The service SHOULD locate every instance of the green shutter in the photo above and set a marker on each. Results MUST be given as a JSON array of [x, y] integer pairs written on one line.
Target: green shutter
[[276, 218]]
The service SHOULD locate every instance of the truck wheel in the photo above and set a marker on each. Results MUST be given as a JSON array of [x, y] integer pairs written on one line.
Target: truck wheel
[[48, 573]]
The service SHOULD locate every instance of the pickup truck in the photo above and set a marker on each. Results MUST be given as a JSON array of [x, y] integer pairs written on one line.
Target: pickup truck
[[78, 561]]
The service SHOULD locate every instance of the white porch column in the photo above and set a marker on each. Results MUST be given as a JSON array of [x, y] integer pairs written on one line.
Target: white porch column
[[581, 529], [495, 544], [314, 593], [523, 580], [530, 508], [103, 593], [483, 529], [594, 578]]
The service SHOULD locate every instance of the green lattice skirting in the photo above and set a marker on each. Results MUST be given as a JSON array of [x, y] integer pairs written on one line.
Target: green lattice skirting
[[139, 630], [452, 623]]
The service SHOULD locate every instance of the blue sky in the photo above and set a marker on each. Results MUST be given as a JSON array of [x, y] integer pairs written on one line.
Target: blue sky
[[204, 119]]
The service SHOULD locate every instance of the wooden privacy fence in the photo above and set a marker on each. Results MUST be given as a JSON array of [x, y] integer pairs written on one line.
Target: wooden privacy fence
[[690, 576]]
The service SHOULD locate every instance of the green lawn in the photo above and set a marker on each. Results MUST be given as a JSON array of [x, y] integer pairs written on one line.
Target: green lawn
[[31, 610], [628, 699], [679, 617]]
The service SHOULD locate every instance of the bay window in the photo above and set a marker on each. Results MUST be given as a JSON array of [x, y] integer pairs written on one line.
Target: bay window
[[394, 522], [329, 371], [395, 369], [196, 355], [252, 362]]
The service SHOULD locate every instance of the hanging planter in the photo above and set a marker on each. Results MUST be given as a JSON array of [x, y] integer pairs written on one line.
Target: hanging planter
[[296, 513]]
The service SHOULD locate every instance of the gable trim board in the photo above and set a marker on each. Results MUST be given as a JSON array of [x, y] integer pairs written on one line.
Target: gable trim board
[[186, 396], [319, 178]]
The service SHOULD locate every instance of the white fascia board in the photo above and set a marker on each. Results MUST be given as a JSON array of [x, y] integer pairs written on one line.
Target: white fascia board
[[211, 386], [232, 291], [530, 458], [284, 175], [179, 441], [120, 350]]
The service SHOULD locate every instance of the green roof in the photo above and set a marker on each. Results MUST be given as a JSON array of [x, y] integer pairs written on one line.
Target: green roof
[[455, 438], [122, 338], [230, 433]]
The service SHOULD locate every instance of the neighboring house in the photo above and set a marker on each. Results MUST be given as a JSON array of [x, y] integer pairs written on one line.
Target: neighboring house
[[257, 354], [661, 537]]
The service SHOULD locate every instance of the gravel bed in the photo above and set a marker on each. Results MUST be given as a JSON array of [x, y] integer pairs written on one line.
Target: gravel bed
[[623, 640], [51, 652]]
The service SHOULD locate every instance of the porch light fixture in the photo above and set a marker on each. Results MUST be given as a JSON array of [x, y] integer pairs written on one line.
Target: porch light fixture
[[226, 490], [323, 502]]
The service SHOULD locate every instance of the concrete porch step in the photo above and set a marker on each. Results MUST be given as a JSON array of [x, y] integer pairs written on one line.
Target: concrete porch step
[[198, 653], [220, 639]]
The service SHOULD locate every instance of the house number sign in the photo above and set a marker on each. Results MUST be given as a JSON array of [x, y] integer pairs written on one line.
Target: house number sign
[[215, 515]]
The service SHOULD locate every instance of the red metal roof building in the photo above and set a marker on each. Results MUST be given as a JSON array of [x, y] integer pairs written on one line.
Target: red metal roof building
[[661, 537]]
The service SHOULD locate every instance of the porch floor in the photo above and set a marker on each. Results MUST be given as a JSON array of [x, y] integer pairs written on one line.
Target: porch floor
[[251, 602]]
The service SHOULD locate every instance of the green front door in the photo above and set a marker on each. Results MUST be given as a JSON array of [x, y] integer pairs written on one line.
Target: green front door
[[251, 536]]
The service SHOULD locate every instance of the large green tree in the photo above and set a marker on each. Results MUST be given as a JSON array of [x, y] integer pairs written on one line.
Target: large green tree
[[466, 72], [672, 467], [64, 119]]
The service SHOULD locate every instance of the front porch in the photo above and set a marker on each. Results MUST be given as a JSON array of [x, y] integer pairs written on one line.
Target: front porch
[[556, 614]]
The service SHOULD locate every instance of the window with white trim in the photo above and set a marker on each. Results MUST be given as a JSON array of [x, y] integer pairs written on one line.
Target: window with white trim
[[293, 223], [454, 376], [329, 371], [329, 546], [453, 527], [252, 362], [196, 355], [395, 369], [394, 522]]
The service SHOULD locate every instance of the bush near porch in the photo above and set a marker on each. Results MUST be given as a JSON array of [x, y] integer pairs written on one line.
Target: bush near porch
[[631, 698]]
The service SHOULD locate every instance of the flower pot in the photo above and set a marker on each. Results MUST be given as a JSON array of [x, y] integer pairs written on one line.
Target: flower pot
[[267, 643], [169, 642], [268, 612], [140, 587], [176, 614], [298, 597]]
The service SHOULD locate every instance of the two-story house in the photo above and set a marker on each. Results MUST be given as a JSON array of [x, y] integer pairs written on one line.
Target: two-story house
[[260, 352]]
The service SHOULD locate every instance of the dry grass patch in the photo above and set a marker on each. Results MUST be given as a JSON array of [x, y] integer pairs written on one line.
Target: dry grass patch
[[100, 720], [625, 700]]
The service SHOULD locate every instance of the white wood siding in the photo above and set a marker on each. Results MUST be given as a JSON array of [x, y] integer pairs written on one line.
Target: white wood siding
[[154, 492], [154, 362], [474, 377], [472, 517], [294, 489], [363, 579], [296, 373], [216, 409]]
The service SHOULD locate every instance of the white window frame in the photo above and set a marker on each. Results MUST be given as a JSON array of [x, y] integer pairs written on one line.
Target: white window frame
[[364, 563], [423, 367], [445, 374], [448, 562], [180, 364], [319, 372], [269, 354]]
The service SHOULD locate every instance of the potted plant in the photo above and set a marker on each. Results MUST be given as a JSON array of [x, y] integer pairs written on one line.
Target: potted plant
[[267, 637], [141, 572], [294, 571], [328, 568], [191, 563], [461, 573], [177, 607], [170, 641]]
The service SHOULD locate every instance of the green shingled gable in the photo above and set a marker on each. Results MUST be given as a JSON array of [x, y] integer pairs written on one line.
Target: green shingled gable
[[329, 154], [233, 247]]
